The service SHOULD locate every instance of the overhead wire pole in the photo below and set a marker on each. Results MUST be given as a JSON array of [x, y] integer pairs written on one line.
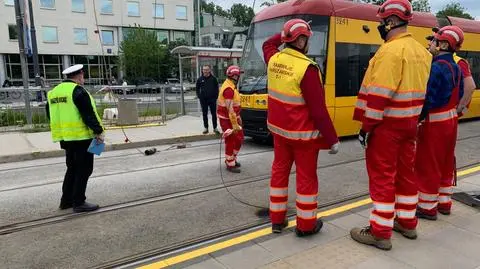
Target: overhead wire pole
[[33, 34], [23, 61]]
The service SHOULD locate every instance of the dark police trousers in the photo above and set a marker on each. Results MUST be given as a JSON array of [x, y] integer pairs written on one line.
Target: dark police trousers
[[212, 104], [79, 168]]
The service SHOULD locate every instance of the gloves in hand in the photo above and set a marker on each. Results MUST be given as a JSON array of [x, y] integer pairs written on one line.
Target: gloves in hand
[[100, 138], [363, 138], [334, 148]]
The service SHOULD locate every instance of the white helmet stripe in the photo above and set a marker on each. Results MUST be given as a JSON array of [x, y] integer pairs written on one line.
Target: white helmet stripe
[[298, 25], [395, 6], [452, 33]]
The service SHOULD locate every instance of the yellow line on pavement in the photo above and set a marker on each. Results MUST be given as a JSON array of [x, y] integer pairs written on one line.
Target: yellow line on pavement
[[266, 231]]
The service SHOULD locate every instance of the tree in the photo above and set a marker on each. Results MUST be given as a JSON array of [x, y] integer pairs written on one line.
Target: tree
[[454, 9], [213, 9], [242, 14], [272, 2], [417, 5], [141, 53]]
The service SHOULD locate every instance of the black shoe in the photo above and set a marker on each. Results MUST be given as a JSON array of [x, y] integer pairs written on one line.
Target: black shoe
[[216, 131], [237, 164], [422, 215], [64, 206], [233, 169], [86, 207], [205, 131], [308, 233], [278, 228]]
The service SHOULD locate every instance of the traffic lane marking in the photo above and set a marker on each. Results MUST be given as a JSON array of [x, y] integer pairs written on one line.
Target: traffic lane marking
[[266, 231]]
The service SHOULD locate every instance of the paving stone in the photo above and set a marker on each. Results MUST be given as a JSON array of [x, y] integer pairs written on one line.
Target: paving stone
[[350, 221], [248, 257], [422, 253], [365, 212], [429, 227], [466, 187], [472, 180], [382, 262], [208, 264], [277, 265], [458, 240], [289, 244]]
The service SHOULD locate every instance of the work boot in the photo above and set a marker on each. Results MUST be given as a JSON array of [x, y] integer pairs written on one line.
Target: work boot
[[410, 234], [233, 169], [444, 212], [365, 236], [278, 228], [65, 205], [422, 215], [205, 131], [318, 226], [216, 131], [237, 164], [85, 207]]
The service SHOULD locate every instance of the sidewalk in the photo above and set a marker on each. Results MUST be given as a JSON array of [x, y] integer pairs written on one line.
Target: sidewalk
[[450, 242], [19, 146]]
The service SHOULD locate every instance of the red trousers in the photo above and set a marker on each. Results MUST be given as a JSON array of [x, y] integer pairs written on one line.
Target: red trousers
[[233, 143], [390, 158], [305, 156], [435, 165]]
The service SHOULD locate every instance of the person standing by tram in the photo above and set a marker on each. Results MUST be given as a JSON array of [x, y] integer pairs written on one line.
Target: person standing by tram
[[300, 124], [228, 111], [388, 106], [74, 122], [435, 159]]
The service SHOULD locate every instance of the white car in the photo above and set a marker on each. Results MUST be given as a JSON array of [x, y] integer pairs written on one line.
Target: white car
[[173, 86]]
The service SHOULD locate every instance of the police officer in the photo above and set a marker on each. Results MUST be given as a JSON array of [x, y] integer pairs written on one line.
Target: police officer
[[389, 104], [74, 122], [437, 136]]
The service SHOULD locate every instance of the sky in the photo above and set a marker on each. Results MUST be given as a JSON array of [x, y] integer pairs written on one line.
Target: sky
[[472, 6]]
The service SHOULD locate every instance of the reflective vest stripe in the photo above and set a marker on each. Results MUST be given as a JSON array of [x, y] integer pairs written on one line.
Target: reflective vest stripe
[[442, 116], [278, 192], [428, 197], [427, 206], [361, 104], [446, 190], [379, 91], [278, 207], [307, 199], [405, 214], [408, 96], [289, 99], [306, 214], [373, 114], [444, 199], [383, 207], [305, 135], [394, 112], [407, 200], [381, 221]]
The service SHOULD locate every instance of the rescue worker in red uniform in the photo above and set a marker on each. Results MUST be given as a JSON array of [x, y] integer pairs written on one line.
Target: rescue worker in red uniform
[[437, 136], [388, 106], [228, 112], [300, 124]]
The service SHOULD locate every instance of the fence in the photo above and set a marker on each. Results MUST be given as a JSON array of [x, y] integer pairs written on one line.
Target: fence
[[116, 105]]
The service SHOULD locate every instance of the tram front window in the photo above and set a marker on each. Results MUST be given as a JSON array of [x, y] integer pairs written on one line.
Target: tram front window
[[254, 79]]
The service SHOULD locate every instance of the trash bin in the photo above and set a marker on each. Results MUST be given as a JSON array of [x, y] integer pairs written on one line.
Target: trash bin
[[127, 111]]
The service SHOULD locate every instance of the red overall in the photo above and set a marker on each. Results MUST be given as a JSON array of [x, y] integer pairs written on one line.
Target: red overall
[[435, 159]]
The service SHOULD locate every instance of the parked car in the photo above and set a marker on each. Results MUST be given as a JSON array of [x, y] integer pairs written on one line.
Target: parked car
[[172, 85]]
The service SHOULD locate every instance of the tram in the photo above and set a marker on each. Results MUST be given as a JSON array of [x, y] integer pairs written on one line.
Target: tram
[[344, 39]]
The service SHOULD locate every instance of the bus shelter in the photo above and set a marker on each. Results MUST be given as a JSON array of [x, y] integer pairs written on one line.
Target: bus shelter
[[218, 58]]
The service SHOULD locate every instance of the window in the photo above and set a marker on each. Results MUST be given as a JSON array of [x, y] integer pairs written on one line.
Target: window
[[473, 58], [133, 9], [80, 36], [47, 4], [351, 65], [158, 11], [49, 34], [12, 32], [162, 36], [9, 2], [107, 7], [181, 12], [107, 37], [78, 6], [179, 35], [218, 36]]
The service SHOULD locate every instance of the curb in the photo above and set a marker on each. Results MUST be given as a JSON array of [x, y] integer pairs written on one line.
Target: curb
[[109, 147]]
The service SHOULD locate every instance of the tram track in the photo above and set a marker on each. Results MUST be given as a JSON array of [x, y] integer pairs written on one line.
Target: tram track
[[21, 226]]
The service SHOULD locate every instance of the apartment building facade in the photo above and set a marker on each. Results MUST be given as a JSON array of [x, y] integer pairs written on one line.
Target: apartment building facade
[[216, 28], [67, 33]]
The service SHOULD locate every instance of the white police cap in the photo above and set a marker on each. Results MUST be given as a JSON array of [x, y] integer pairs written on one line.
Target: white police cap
[[73, 69]]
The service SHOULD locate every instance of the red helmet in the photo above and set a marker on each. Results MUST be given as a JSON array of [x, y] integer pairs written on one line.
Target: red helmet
[[399, 8], [452, 34], [294, 28], [233, 70]]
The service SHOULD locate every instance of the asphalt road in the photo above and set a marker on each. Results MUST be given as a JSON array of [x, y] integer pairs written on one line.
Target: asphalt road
[[31, 191]]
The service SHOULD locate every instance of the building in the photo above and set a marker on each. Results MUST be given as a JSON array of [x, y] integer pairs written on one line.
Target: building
[[216, 28], [67, 33]]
